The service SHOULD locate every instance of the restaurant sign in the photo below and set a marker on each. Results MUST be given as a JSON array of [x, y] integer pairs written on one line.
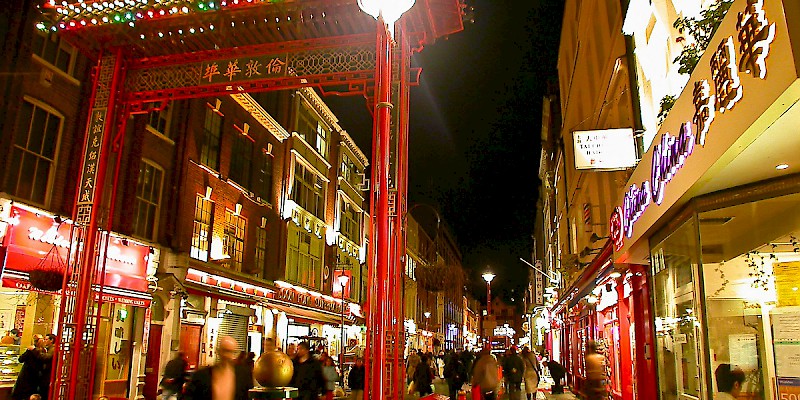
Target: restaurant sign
[[32, 235], [754, 35]]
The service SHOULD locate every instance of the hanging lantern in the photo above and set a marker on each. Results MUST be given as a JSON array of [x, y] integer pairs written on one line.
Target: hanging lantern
[[48, 274]]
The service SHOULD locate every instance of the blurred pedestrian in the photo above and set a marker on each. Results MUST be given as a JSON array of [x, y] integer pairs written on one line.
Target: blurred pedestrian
[[423, 377], [513, 369], [307, 378], [330, 374], [47, 364], [291, 350], [174, 377], [595, 373], [455, 373], [531, 374], [356, 380], [223, 380], [484, 374], [413, 361]]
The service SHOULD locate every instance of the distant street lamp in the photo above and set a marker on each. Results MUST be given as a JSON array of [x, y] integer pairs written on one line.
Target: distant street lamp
[[427, 315], [343, 282], [488, 277]]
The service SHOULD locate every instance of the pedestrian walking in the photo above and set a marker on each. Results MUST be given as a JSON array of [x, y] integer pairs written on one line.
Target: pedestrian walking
[[331, 376], [307, 378], [423, 377], [531, 374], [455, 373], [224, 380], [174, 377], [485, 378], [513, 369], [595, 373], [356, 380], [47, 364], [412, 363]]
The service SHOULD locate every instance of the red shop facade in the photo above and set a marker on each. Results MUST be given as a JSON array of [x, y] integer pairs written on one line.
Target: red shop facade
[[34, 249], [609, 304]]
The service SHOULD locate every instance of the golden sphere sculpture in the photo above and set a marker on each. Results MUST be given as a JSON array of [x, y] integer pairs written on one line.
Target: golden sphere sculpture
[[273, 369]]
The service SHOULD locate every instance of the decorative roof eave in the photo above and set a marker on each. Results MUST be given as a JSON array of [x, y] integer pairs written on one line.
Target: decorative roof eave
[[351, 145], [311, 96], [249, 104]]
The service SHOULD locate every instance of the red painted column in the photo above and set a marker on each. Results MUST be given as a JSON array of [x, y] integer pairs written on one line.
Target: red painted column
[[381, 302], [625, 362], [646, 383]]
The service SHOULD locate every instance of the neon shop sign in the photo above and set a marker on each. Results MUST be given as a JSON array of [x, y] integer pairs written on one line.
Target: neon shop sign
[[754, 36]]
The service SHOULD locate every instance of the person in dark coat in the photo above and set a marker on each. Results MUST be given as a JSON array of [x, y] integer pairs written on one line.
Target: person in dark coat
[[423, 377], [308, 377], [30, 375], [174, 377], [557, 372], [513, 369], [225, 379], [356, 380], [455, 373]]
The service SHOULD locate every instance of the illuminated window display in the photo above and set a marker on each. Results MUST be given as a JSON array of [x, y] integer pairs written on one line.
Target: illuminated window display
[[725, 290]]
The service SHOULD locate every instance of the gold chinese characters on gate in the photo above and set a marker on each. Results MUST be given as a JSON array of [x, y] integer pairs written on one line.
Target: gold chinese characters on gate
[[243, 69]]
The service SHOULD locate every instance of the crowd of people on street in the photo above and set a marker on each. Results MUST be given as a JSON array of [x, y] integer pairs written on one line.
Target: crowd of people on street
[[315, 374]]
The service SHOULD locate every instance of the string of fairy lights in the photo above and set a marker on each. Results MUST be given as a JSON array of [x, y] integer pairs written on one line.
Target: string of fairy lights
[[71, 15]]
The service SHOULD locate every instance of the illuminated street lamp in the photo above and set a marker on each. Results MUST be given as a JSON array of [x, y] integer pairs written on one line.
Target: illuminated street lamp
[[427, 315], [386, 12], [343, 282], [488, 277]]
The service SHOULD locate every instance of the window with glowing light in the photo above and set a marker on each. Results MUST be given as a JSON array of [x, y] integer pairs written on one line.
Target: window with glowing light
[[33, 152], [304, 263], [313, 130], [350, 221], [201, 228], [260, 256], [234, 232], [307, 190]]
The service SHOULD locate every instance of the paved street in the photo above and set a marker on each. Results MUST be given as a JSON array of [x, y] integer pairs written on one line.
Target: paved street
[[440, 387]]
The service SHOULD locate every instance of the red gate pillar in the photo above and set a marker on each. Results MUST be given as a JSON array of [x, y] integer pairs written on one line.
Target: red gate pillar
[[380, 304], [74, 370]]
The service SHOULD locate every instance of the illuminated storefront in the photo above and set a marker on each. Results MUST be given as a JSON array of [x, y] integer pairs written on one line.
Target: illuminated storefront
[[35, 248], [711, 210]]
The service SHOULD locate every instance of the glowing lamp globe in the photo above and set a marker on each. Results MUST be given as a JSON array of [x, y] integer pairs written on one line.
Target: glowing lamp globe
[[488, 277], [389, 10]]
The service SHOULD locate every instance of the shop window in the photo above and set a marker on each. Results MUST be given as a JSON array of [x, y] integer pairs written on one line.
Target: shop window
[[33, 153], [677, 318], [233, 238], [201, 228], [241, 160], [262, 186], [261, 252], [350, 221], [211, 138], [307, 191], [159, 122], [304, 264], [751, 264], [312, 130], [148, 200], [58, 53]]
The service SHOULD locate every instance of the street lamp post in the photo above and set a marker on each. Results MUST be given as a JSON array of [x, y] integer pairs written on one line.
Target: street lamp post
[[342, 343], [427, 318], [488, 277], [386, 12]]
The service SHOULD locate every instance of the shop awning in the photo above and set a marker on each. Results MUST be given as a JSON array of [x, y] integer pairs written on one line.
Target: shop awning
[[308, 314], [586, 281]]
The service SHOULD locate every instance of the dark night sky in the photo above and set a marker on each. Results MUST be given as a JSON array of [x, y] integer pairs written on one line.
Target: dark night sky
[[474, 135]]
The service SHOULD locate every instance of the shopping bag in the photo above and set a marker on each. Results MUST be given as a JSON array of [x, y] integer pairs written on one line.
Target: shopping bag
[[476, 392]]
